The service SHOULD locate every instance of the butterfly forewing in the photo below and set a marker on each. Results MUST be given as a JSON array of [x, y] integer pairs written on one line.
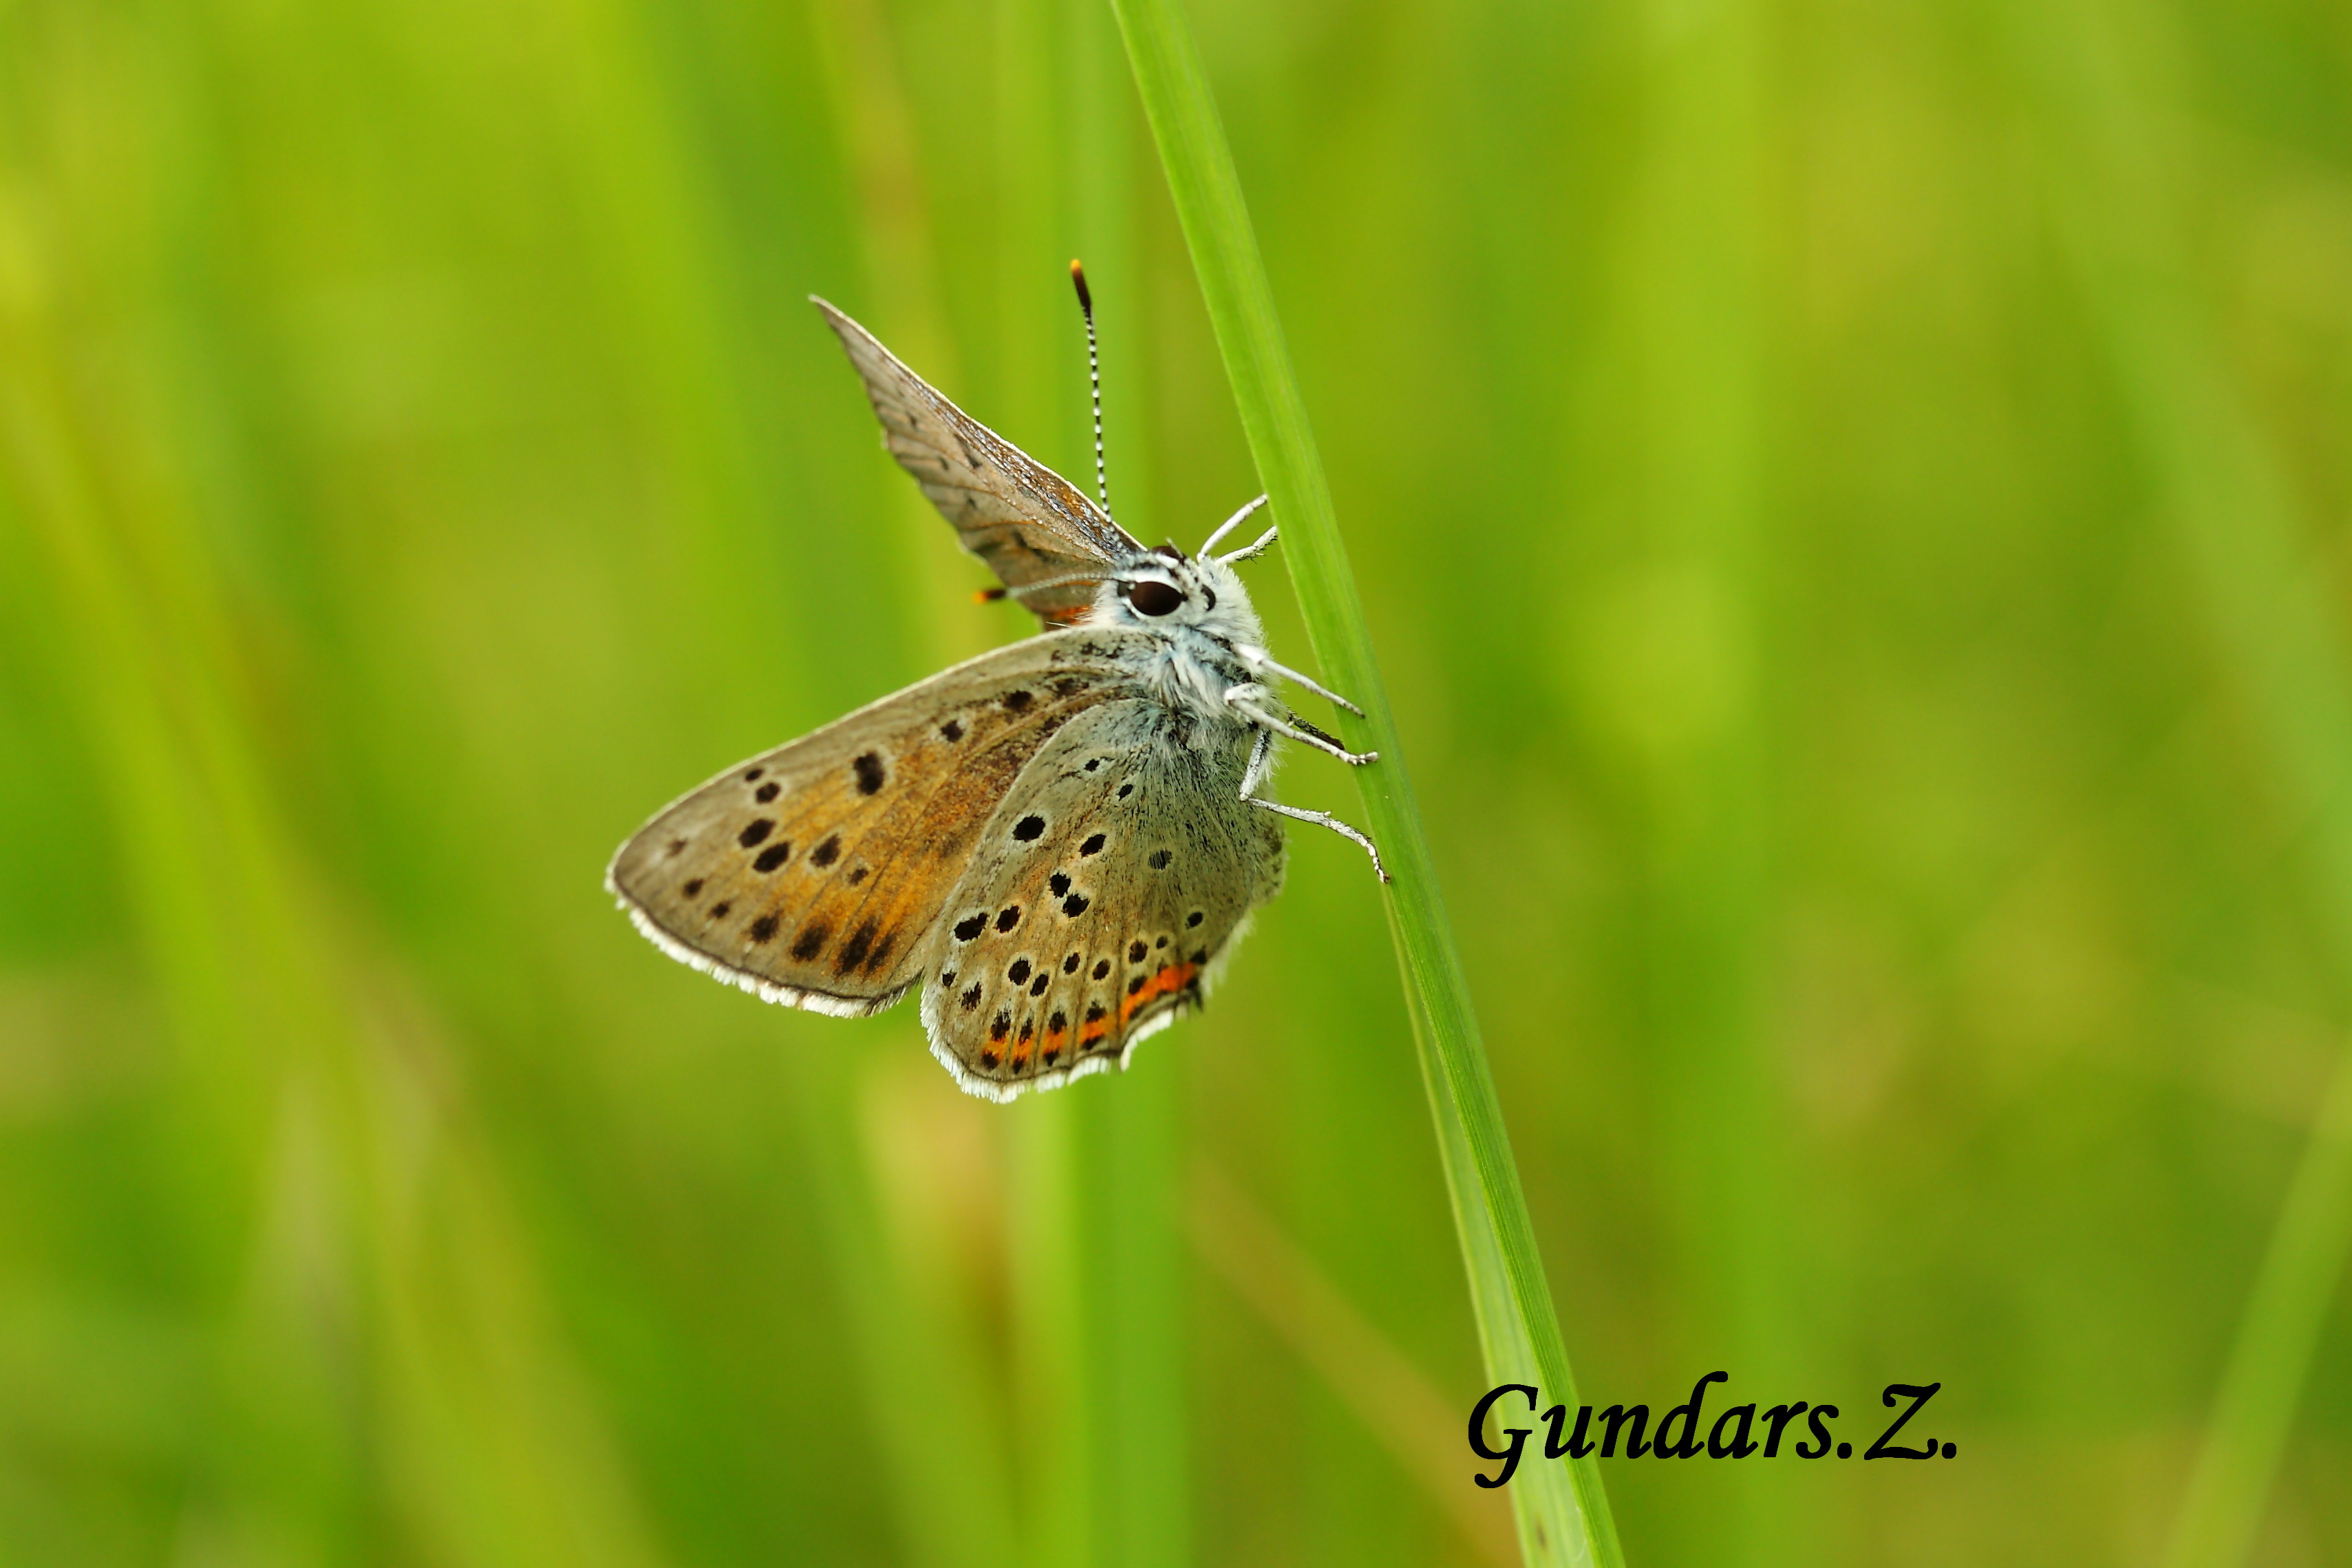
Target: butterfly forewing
[[813, 873], [1102, 895], [1028, 522]]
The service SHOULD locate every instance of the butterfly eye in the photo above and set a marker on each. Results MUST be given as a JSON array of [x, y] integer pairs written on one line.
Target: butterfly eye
[[1153, 598]]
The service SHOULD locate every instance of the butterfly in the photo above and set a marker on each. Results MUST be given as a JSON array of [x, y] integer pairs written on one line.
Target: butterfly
[[1056, 844]]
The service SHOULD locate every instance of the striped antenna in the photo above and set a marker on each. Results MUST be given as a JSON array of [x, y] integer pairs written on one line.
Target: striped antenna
[[1094, 377]]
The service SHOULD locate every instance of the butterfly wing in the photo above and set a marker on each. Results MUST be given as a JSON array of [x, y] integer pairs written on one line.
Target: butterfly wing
[[1105, 892], [1028, 522], [812, 873]]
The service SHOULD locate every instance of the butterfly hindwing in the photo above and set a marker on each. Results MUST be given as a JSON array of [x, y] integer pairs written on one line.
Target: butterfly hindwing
[[1103, 893], [1028, 522], [812, 875]]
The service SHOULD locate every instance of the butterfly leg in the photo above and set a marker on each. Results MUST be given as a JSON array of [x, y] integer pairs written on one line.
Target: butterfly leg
[[1258, 659], [1252, 551], [1260, 764], [1229, 524], [1246, 701]]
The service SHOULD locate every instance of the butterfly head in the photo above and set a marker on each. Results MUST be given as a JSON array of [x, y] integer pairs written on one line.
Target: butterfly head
[[1166, 590]]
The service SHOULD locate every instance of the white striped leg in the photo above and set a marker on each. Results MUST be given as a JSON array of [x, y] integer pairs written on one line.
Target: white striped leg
[[1325, 819], [1252, 551], [1260, 764], [1258, 659], [1243, 700], [1229, 524]]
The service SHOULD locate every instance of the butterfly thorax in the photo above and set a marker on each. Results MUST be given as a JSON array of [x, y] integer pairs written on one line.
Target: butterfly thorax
[[1188, 661]]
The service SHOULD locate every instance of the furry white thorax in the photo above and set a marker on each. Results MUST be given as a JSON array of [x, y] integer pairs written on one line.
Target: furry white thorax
[[1193, 662]]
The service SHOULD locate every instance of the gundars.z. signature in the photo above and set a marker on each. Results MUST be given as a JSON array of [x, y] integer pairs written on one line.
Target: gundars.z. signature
[[1739, 1432]]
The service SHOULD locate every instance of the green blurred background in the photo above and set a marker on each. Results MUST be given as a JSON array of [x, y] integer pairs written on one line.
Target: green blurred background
[[1852, 500]]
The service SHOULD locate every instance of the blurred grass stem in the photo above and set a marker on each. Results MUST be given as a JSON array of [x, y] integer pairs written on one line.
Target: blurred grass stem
[[2263, 1382], [2106, 81], [1563, 1515]]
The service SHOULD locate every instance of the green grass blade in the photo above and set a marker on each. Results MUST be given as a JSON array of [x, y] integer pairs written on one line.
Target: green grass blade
[[1563, 1515]]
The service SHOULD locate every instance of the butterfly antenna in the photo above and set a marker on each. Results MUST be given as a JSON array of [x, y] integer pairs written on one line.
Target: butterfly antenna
[[1094, 377]]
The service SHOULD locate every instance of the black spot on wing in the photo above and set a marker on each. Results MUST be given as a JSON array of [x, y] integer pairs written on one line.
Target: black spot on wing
[[767, 792], [771, 857], [764, 928], [1009, 917], [1093, 846], [965, 930], [853, 952], [1158, 860], [1029, 828], [869, 770], [952, 729], [755, 832], [811, 942], [827, 852]]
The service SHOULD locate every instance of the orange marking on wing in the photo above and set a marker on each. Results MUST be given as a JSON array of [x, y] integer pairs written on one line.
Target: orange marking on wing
[[1094, 1031], [1173, 979]]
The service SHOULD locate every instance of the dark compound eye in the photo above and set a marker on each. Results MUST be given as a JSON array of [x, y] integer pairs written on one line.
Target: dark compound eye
[[1153, 598]]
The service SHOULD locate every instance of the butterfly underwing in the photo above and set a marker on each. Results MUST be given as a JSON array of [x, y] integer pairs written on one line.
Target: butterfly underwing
[[1057, 841]]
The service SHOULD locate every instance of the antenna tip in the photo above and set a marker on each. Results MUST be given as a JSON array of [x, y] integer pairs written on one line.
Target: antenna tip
[[1079, 278]]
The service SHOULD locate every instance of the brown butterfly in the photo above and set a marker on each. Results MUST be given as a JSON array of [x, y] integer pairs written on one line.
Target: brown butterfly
[[1058, 841]]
